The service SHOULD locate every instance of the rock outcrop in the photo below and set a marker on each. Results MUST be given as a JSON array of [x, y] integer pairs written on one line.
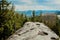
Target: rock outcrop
[[34, 31]]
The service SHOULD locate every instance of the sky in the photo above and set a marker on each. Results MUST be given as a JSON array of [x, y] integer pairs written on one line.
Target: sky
[[36, 4]]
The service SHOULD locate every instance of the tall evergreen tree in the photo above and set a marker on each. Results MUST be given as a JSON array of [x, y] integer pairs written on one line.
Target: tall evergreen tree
[[3, 11], [33, 16]]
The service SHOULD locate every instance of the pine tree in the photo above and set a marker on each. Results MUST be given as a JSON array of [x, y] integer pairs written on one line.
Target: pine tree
[[33, 16], [10, 21], [40, 16], [3, 11]]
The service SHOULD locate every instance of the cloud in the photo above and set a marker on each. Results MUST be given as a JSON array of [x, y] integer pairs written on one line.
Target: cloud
[[24, 7], [23, 2], [36, 4], [53, 2], [56, 2], [28, 2]]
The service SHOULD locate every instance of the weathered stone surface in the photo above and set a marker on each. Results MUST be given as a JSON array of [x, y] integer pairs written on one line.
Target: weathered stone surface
[[58, 16], [34, 31]]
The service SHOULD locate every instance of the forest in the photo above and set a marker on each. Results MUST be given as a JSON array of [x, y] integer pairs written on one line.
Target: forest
[[10, 21]]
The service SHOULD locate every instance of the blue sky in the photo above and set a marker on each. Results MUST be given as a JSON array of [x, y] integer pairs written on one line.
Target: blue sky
[[36, 4]]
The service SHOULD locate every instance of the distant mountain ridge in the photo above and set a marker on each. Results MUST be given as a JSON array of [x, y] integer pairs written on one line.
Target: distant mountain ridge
[[37, 12]]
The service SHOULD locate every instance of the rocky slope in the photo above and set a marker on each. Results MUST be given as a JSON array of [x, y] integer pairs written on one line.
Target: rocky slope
[[34, 31], [58, 16]]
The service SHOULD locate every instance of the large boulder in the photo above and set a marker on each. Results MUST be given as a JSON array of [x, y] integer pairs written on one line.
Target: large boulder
[[34, 31]]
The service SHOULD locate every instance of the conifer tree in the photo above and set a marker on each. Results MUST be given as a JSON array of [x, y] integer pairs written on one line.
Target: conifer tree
[[3, 11], [33, 16]]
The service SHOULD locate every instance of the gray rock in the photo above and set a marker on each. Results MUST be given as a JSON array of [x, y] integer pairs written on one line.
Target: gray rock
[[34, 31]]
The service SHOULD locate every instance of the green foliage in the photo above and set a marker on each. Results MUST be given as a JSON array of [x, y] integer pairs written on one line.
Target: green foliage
[[58, 25], [33, 16], [51, 21], [10, 21]]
